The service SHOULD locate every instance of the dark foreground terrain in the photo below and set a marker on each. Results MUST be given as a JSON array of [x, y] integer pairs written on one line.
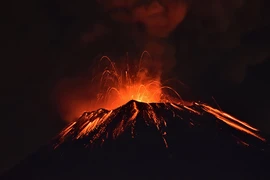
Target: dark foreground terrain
[[131, 143]]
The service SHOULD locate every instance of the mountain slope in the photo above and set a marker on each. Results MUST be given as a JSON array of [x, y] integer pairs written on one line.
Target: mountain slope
[[157, 140]]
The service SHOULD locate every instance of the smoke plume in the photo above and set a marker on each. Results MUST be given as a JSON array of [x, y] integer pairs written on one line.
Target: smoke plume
[[211, 31], [209, 36]]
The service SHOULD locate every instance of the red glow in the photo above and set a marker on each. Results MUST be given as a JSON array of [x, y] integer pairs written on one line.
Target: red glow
[[113, 88]]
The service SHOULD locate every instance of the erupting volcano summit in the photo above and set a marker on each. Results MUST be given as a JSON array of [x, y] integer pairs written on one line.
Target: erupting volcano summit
[[151, 137]]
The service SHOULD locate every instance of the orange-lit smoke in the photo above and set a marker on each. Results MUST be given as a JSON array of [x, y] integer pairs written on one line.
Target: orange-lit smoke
[[113, 87]]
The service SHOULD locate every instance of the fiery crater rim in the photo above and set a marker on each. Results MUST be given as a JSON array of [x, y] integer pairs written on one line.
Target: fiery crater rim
[[142, 103]]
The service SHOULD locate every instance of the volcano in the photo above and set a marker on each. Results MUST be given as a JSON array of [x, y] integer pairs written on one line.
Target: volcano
[[151, 140]]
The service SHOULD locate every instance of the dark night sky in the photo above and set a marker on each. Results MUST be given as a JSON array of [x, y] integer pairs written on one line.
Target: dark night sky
[[41, 45]]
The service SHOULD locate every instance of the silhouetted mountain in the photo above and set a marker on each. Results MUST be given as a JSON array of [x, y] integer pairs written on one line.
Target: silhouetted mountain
[[156, 140]]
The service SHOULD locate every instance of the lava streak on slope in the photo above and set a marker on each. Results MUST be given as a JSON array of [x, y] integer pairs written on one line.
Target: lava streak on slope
[[150, 141], [101, 125]]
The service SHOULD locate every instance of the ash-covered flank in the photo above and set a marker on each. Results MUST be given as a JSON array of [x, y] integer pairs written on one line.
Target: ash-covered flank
[[151, 141]]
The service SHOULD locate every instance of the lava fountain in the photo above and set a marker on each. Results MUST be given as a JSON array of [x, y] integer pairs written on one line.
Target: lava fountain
[[111, 86], [119, 87]]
